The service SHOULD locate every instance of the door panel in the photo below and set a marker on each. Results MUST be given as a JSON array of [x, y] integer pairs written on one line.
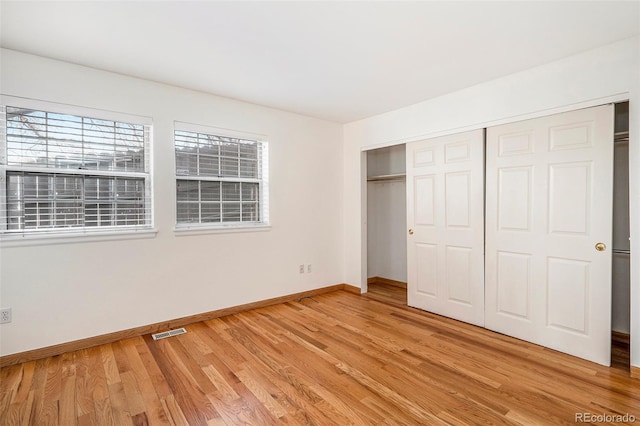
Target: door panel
[[457, 198], [425, 204], [445, 210], [567, 289], [458, 263], [427, 268], [513, 284], [548, 202], [514, 202]]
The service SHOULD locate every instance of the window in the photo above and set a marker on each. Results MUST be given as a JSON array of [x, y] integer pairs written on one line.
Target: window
[[221, 180], [63, 172]]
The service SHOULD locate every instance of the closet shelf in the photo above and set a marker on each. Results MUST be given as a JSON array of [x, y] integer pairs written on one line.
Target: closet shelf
[[386, 178]]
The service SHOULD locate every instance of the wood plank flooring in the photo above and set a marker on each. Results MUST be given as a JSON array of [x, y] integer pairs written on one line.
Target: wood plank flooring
[[337, 358], [387, 293]]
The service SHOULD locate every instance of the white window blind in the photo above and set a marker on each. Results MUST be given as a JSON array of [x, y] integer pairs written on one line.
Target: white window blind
[[220, 180], [65, 172]]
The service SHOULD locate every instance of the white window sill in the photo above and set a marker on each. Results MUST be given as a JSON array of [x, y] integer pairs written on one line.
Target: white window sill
[[186, 230], [35, 239]]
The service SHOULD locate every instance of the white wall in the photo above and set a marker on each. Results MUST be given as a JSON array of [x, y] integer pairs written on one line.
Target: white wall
[[591, 78], [387, 215], [60, 293]]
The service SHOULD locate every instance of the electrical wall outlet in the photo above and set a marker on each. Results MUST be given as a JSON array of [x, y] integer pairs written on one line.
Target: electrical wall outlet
[[301, 269], [308, 268], [5, 315]]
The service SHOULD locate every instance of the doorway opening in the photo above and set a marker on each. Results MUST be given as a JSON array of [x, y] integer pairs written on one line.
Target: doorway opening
[[621, 252], [386, 224]]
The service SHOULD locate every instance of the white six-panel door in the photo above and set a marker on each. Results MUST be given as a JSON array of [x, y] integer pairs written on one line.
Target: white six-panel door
[[445, 214], [549, 205]]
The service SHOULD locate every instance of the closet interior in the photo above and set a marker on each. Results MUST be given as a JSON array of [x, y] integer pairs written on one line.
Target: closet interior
[[387, 217], [620, 297]]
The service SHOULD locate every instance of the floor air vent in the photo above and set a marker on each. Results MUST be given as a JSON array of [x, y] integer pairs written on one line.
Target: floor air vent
[[169, 333]]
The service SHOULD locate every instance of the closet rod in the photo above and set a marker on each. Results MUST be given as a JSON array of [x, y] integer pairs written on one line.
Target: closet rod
[[621, 136], [385, 180], [620, 251], [381, 178]]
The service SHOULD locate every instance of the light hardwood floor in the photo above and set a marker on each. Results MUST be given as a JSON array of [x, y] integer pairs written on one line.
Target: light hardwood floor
[[337, 358], [387, 293]]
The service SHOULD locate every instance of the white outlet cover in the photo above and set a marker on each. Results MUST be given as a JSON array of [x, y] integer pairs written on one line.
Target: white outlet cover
[[5, 315]]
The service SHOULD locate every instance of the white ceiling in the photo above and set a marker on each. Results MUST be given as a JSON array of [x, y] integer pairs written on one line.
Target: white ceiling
[[340, 61]]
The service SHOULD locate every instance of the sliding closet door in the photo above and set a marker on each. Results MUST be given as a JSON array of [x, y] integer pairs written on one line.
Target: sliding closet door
[[445, 204], [548, 232]]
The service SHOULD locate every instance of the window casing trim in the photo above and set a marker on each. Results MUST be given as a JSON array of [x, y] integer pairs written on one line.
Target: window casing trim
[[67, 236], [218, 131], [184, 228], [82, 232], [61, 108], [223, 228]]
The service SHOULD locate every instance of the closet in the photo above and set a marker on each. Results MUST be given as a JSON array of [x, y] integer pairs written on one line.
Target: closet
[[386, 216], [528, 236], [620, 320]]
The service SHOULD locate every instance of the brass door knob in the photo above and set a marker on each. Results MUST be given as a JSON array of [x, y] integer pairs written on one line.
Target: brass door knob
[[601, 247], [410, 231]]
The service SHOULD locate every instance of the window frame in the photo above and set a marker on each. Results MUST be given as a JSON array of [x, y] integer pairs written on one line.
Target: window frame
[[54, 234], [262, 180]]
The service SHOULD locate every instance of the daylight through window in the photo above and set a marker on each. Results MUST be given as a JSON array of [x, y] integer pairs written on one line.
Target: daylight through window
[[69, 172], [220, 180]]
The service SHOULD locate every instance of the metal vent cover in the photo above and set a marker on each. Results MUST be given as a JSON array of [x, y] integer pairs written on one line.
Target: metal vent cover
[[169, 333]]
